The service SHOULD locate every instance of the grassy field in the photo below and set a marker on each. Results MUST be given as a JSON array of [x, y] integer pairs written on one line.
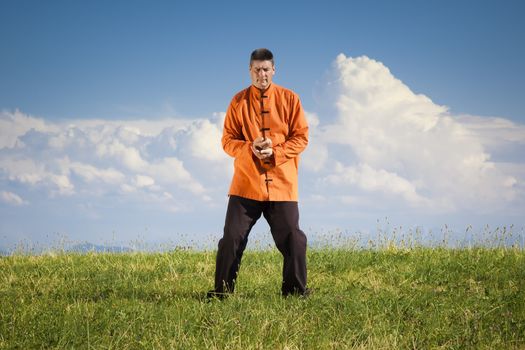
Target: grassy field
[[418, 298]]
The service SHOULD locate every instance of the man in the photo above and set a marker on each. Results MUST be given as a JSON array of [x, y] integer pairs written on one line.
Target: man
[[265, 131]]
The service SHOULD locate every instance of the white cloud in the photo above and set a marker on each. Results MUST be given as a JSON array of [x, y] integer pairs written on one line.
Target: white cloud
[[16, 124], [204, 141], [372, 180], [388, 140], [34, 173], [12, 198], [63, 185], [144, 181], [130, 157], [171, 171], [316, 154], [90, 157], [493, 130], [90, 173]]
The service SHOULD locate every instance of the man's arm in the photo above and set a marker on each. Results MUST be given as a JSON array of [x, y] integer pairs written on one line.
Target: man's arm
[[298, 138], [233, 141]]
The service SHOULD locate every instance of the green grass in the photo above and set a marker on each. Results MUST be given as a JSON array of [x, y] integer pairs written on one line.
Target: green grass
[[421, 298]]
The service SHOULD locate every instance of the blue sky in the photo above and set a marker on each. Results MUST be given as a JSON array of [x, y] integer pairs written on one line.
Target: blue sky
[[143, 81]]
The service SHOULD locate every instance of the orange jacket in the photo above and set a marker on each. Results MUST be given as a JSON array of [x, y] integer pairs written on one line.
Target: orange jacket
[[276, 114]]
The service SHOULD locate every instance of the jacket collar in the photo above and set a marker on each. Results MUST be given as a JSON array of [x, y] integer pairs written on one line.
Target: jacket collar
[[256, 92]]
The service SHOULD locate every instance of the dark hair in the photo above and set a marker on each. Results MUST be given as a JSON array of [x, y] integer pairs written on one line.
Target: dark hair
[[261, 54]]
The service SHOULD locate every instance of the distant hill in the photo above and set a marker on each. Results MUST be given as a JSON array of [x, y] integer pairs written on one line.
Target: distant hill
[[78, 248], [94, 248]]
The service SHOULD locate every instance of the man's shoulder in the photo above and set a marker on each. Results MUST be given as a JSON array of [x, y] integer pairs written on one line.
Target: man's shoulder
[[241, 95], [281, 90]]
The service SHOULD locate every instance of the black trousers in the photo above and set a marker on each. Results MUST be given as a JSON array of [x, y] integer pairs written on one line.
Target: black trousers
[[283, 218]]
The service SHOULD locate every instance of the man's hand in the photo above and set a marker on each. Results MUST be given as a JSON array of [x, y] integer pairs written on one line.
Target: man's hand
[[262, 148]]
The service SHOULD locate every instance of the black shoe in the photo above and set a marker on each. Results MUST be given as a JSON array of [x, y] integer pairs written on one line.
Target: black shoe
[[307, 292], [212, 294]]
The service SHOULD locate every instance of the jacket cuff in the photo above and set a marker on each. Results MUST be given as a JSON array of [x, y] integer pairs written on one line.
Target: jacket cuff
[[278, 156]]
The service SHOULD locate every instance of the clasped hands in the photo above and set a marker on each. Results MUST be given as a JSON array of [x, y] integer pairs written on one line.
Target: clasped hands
[[262, 148]]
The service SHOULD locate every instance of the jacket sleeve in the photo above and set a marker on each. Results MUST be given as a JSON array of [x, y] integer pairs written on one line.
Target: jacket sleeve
[[297, 137], [233, 140]]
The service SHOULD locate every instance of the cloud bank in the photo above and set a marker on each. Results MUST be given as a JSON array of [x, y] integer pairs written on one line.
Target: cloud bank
[[161, 161], [403, 150]]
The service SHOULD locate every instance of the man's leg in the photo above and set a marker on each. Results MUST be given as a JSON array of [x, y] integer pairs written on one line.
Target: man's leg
[[241, 215], [283, 218]]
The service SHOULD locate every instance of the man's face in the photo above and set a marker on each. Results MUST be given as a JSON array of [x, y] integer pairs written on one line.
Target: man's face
[[262, 73]]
